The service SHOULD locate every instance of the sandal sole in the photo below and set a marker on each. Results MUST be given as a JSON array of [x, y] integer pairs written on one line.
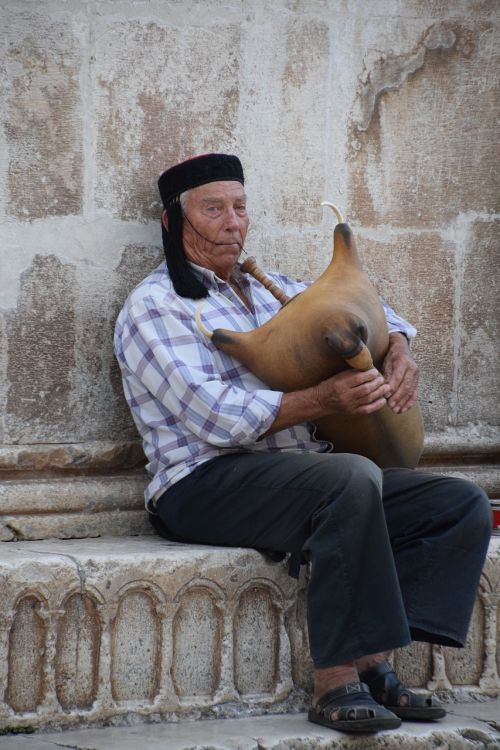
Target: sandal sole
[[417, 714], [356, 726]]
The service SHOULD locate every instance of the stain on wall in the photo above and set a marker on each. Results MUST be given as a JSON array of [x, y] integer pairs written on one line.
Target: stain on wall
[[185, 104], [299, 169], [480, 326], [41, 351], [408, 261], [43, 120]]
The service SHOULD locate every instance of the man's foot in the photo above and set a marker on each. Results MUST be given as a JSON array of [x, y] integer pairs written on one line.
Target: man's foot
[[388, 691], [351, 708]]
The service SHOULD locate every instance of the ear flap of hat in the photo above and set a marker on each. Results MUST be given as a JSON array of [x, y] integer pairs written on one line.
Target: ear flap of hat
[[185, 282]]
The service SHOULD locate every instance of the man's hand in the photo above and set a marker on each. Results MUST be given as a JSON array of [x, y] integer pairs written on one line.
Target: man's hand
[[401, 374], [349, 392], [353, 392]]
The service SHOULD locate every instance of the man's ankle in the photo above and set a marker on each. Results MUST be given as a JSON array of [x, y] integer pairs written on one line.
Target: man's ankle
[[330, 678], [371, 660]]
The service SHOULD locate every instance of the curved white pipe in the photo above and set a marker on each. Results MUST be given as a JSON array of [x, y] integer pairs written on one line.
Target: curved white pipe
[[201, 326], [336, 211]]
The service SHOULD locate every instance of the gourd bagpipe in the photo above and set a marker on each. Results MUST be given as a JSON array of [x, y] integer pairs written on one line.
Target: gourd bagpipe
[[336, 323]]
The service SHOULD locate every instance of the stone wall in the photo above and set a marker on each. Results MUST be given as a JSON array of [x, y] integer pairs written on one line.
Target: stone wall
[[389, 108]]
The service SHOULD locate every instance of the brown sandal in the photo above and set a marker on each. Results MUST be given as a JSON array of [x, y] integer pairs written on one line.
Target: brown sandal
[[387, 690]]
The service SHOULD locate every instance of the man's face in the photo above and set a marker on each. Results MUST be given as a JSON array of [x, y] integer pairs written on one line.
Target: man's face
[[218, 212]]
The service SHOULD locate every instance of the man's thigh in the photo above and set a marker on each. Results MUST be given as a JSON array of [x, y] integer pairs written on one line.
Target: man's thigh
[[264, 500], [421, 504]]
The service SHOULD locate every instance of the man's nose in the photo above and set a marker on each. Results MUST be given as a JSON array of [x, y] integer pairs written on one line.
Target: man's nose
[[231, 219]]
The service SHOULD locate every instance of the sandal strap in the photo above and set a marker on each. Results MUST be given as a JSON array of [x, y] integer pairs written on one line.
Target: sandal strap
[[330, 698], [384, 684], [386, 687]]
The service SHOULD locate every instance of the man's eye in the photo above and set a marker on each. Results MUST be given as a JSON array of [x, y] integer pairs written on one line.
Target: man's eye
[[240, 209]]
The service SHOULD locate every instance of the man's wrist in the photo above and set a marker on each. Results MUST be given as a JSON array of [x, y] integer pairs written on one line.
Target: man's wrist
[[400, 333]]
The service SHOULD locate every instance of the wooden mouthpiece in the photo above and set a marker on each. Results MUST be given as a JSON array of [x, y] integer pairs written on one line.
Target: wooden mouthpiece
[[250, 266], [361, 361]]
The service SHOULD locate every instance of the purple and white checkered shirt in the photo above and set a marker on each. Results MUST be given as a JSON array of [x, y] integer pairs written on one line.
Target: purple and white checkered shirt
[[190, 401]]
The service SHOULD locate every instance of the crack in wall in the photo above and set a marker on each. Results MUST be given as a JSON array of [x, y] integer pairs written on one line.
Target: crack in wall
[[390, 72]]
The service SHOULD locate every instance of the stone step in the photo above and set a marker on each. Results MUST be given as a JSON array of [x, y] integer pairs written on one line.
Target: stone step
[[101, 630], [73, 507], [460, 730]]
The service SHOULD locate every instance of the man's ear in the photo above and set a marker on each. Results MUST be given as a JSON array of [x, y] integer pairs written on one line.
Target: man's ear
[[164, 218]]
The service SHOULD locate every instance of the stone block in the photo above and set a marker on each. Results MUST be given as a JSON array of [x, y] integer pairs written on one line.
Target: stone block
[[73, 507], [41, 113], [302, 256], [297, 177], [19, 461], [41, 349], [400, 267], [148, 117], [99, 630], [63, 381], [478, 374], [423, 127]]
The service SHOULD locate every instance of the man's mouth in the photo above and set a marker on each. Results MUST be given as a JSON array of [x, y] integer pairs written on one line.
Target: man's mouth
[[234, 243]]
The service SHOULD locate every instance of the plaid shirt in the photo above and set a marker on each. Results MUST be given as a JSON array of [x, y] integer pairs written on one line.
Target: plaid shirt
[[190, 401]]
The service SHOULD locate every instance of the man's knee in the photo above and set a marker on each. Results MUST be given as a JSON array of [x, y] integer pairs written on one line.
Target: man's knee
[[469, 504], [361, 483], [478, 504], [360, 470]]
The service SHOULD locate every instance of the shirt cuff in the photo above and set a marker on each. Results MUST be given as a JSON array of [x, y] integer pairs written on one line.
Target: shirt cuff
[[258, 417]]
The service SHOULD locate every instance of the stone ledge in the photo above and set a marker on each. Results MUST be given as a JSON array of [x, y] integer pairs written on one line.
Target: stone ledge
[[68, 507], [73, 507], [292, 732], [98, 455], [457, 445], [103, 630]]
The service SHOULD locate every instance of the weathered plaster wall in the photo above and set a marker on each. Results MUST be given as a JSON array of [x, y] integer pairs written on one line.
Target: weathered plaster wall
[[389, 108]]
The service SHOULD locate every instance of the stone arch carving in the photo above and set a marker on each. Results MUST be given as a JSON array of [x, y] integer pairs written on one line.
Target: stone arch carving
[[136, 642], [78, 643], [26, 649], [465, 666], [197, 631], [257, 627], [154, 591]]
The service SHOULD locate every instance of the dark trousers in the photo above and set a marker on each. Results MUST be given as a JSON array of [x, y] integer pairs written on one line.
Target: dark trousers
[[395, 555]]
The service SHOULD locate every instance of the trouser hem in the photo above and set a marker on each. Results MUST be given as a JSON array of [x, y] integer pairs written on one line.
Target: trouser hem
[[435, 637], [349, 656]]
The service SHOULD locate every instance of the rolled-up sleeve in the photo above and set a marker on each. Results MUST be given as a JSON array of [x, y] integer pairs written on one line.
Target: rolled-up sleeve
[[167, 358], [397, 324]]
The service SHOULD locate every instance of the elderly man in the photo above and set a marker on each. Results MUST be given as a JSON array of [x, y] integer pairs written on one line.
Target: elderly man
[[395, 555]]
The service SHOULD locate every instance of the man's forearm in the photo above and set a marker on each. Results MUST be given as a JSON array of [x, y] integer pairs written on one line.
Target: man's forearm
[[349, 392], [296, 407]]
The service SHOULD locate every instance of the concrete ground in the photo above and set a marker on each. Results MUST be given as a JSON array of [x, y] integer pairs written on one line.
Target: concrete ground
[[468, 726]]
